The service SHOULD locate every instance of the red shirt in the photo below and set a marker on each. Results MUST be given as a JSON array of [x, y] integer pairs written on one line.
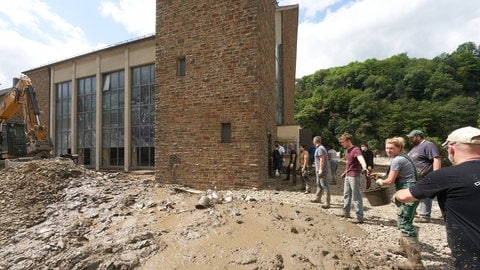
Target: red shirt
[[353, 167]]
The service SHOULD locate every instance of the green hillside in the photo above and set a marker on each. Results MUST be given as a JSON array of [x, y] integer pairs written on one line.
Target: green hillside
[[378, 99]]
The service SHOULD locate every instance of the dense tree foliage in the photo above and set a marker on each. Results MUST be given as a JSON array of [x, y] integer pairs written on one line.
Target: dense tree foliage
[[377, 99]]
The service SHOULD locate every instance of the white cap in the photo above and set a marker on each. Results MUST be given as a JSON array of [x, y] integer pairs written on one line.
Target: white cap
[[468, 135]]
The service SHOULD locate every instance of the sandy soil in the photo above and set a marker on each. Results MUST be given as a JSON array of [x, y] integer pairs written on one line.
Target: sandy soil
[[92, 220]]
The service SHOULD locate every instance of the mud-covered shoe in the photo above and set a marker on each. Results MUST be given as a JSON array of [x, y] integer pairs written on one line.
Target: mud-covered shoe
[[397, 251], [343, 215], [357, 221], [422, 220], [401, 248]]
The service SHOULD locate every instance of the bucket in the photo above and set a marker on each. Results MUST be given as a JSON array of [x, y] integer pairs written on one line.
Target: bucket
[[377, 197], [203, 203]]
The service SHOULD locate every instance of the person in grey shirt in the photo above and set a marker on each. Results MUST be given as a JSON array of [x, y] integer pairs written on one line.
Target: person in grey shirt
[[426, 157], [321, 172]]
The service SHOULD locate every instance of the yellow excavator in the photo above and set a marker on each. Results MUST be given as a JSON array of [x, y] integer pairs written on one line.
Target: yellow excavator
[[27, 138]]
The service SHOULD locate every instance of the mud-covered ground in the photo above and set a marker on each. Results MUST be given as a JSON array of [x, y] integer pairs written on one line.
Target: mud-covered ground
[[57, 215]]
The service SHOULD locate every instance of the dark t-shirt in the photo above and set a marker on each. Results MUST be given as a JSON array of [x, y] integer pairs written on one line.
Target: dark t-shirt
[[353, 168], [422, 156], [293, 158], [276, 154], [368, 156], [458, 193], [311, 152]]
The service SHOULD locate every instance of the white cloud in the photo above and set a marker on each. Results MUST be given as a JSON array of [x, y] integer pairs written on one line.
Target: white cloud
[[310, 8], [379, 29], [33, 35], [332, 33], [137, 16]]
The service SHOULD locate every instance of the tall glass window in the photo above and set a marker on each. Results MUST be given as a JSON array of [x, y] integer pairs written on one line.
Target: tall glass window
[[62, 118], [143, 116], [86, 120], [113, 100]]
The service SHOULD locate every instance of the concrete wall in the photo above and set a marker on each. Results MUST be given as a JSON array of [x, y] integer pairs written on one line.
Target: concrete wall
[[121, 57], [229, 51], [289, 41]]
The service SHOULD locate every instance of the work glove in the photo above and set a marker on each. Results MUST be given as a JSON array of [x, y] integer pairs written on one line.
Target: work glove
[[395, 201], [291, 166], [343, 175], [379, 182], [320, 173]]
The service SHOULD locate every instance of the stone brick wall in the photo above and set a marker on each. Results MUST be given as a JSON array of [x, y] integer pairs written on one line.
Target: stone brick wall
[[228, 47], [289, 29], [41, 82]]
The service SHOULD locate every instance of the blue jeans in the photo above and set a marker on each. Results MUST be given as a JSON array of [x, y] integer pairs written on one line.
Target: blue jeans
[[333, 168], [322, 183], [352, 189], [425, 208]]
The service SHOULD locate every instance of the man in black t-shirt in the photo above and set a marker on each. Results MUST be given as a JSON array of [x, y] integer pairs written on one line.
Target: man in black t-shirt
[[458, 193], [292, 164], [367, 155]]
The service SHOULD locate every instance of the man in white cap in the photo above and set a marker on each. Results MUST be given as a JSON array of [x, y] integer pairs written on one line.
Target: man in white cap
[[457, 189], [426, 157]]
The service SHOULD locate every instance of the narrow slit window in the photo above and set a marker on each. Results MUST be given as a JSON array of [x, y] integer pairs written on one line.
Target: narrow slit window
[[226, 132], [106, 83], [181, 67]]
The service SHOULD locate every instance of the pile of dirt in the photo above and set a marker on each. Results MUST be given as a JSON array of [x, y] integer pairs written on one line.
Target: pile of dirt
[[28, 189], [58, 215]]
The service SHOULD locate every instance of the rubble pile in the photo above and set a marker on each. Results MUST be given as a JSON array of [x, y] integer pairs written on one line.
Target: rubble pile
[[27, 189], [58, 215]]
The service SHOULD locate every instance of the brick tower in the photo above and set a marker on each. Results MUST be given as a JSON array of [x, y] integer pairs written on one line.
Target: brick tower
[[215, 92]]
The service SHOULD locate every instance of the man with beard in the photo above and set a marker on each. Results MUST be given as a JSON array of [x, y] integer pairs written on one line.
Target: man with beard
[[426, 157], [457, 189]]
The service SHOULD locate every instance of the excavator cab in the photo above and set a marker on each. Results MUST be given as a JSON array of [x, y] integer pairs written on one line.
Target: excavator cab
[[28, 138], [13, 140]]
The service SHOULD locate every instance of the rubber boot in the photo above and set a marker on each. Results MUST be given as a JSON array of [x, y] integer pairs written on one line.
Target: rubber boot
[[334, 182], [327, 200], [414, 256], [318, 196], [293, 182], [400, 250]]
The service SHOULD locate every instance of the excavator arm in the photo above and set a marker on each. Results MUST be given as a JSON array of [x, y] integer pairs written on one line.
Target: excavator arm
[[23, 96]]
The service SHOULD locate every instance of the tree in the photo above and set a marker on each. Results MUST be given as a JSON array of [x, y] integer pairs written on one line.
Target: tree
[[442, 86], [378, 99]]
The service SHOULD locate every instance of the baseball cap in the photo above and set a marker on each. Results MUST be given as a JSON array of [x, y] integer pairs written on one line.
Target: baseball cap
[[468, 135], [416, 132]]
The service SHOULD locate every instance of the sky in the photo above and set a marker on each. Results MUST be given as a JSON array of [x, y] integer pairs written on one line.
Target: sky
[[331, 33]]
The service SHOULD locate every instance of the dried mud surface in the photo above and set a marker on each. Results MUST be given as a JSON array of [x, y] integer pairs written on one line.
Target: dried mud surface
[[58, 215]]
